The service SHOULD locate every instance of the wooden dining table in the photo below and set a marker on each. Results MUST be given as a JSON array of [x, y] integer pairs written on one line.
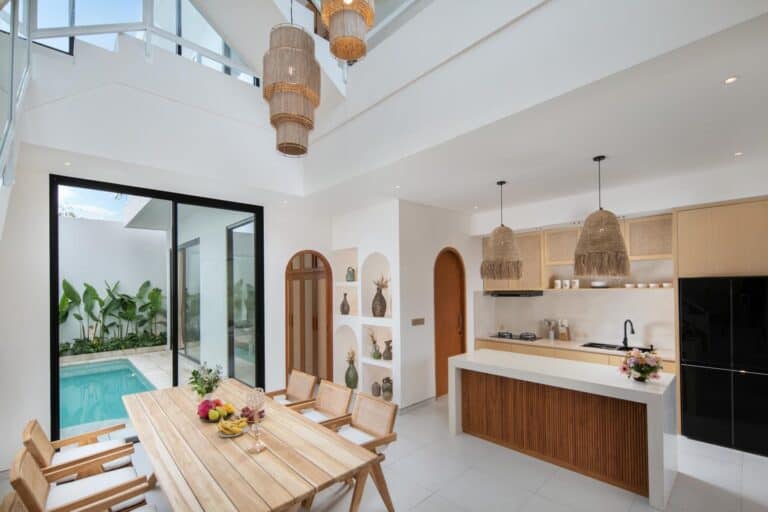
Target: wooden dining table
[[200, 471]]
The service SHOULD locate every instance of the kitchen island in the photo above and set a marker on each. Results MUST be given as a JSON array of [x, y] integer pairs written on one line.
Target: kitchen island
[[583, 416]]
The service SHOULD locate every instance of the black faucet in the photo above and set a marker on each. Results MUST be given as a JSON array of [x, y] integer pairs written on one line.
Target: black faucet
[[632, 331]]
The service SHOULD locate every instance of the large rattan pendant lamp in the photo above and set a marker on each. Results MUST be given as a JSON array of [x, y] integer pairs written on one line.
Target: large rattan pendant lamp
[[291, 86], [601, 250], [503, 261], [348, 22]]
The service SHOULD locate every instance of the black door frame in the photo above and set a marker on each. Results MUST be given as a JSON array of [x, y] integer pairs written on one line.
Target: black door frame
[[180, 248], [175, 198]]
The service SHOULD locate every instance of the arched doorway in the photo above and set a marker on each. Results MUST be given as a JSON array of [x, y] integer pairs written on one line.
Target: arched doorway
[[308, 315], [449, 314]]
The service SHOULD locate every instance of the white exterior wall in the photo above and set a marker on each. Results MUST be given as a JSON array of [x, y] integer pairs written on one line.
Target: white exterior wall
[[94, 251]]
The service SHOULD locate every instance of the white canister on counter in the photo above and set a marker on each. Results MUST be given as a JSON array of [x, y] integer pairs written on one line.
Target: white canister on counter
[[566, 284], [575, 283], [558, 284]]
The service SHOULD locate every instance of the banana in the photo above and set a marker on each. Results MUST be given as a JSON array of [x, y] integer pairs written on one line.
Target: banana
[[232, 427]]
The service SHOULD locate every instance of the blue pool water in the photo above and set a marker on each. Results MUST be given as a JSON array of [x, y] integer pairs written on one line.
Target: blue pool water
[[93, 392]]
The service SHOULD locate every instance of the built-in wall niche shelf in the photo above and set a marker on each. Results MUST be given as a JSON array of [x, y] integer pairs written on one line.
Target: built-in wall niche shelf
[[374, 320], [376, 266], [344, 340], [352, 294], [348, 320], [342, 260], [376, 362], [344, 284], [373, 373]]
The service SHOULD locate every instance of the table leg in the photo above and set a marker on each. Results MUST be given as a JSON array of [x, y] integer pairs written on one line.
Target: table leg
[[357, 495]]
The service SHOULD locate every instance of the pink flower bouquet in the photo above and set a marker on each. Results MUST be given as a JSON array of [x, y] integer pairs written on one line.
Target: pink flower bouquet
[[641, 366]]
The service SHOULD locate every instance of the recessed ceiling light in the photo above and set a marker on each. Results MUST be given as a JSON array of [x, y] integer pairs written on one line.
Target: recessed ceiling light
[[67, 164], [738, 153], [730, 80]]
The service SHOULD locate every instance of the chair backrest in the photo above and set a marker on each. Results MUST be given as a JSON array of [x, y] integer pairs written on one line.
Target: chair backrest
[[374, 415], [301, 386], [29, 482], [333, 399], [12, 503], [37, 443]]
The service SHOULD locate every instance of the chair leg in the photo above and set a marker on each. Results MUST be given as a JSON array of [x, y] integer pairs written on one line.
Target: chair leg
[[152, 481], [357, 495], [381, 485]]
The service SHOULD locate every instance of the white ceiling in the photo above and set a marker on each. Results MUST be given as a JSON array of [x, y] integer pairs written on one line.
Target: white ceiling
[[671, 115]]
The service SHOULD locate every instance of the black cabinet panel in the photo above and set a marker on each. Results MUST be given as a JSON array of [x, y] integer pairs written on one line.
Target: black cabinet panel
[[705, 321], [706, 404], [751, 412], [750, 323]]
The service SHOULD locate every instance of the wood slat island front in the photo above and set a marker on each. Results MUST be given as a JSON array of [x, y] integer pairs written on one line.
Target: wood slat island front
[[199, 471], [582, 416]]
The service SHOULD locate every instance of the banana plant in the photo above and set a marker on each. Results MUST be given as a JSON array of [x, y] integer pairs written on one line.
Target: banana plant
[[153, 311], [91, 299], [71, 302]]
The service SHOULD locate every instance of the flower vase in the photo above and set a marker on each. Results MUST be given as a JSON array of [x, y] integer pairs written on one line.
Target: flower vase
[[379, 305], [351, 377], [641, 378], [386, 389], [345, 306], [387, 354]]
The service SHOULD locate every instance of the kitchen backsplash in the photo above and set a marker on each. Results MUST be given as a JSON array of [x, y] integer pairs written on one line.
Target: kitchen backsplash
[[592, 315]]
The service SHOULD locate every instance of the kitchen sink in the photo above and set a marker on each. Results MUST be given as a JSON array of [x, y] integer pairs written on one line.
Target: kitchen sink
[[610, 346]]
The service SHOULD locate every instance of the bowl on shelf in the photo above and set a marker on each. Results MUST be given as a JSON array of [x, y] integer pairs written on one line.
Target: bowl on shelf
[[666, 285], [629, 285], [642, 285], [653, 285], [599, 284]]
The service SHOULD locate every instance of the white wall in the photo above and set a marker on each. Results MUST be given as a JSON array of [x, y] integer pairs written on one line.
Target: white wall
[[94, 251], [424, 232], [24, 274], [594, 316]]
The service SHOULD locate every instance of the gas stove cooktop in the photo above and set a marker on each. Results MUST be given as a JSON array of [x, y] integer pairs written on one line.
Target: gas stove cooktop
[[524, 336]]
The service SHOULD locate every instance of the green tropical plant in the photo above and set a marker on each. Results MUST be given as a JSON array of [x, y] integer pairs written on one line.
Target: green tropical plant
[[205, 380], [71, 302]]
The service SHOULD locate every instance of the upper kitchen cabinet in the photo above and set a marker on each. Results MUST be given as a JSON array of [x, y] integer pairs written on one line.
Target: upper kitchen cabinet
[[726, 240], [560, 245], [649, 238], [530, 254]]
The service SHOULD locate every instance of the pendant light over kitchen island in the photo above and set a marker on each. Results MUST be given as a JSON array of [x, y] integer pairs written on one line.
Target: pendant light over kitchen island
[[503, 258], [601, 250]]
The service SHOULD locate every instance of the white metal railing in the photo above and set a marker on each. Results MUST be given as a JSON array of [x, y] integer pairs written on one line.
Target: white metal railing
[[145, 26]]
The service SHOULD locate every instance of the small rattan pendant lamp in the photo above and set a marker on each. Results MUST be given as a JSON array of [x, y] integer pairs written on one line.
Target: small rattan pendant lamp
[[601, 250], [503, 261], [348, 22], [291, 86]]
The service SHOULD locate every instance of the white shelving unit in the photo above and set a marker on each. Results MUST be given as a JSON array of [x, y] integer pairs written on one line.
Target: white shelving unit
[[354, 330]]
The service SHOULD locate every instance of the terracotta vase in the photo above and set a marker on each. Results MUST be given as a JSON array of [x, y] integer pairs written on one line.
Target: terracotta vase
[[345, 306], [379, 305], [351, 377]]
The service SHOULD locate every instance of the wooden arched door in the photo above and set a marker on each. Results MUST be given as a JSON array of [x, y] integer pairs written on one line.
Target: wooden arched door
[[449, 314], [308, 315]]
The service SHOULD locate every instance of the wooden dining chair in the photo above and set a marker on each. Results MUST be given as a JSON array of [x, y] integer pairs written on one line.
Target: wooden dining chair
[[371, 425], [50, 455], [331, 403], [118, 490], [12, 503], [301, 388]]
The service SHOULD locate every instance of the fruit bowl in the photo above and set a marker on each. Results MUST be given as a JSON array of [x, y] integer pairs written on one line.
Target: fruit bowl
[[212, 411]]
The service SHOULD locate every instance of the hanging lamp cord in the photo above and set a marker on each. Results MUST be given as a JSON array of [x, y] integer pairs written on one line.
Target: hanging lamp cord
[[599, 185], [291, 12], [501, 203]]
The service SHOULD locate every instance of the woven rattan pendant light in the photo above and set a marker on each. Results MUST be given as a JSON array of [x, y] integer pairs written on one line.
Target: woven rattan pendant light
[[348, 22], [291, 86], [601, 250], [503, 261]]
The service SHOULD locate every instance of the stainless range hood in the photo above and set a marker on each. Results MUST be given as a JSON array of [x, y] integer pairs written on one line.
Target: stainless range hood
[[515, 293]]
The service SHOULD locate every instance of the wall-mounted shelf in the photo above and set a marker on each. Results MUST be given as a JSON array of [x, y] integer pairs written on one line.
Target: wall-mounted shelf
[[612, 288], [376, 362], [374, 320]]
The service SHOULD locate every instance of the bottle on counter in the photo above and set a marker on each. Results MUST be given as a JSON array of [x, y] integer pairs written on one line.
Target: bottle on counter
[[564, 332]]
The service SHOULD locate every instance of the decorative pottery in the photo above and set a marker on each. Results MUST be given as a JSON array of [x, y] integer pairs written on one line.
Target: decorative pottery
[[351, 377], [642, 378], [345, 305], [387, 354], [350, 277], [386, 389], [375, 353], [379, 305], [376, 389]]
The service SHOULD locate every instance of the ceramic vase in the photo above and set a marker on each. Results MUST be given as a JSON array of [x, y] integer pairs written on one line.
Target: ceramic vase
[[350, 277], [386, 389], [387, 354], [376, 389], [379, 305], [376, 353], [350, 377], [345, 305]]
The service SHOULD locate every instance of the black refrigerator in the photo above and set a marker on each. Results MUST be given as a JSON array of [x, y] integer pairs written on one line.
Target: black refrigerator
[[724, 361]]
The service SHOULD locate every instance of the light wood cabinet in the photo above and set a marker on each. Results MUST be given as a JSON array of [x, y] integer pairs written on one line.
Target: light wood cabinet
[[560, 245], [530, 254], [562, 353], [649, 238], [723, 240]]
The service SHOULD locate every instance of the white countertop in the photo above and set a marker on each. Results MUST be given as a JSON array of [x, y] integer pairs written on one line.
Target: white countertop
[[665, 353], [598, 379]]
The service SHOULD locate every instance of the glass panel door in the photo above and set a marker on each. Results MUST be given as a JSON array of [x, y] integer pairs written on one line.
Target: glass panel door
[[217, 291]]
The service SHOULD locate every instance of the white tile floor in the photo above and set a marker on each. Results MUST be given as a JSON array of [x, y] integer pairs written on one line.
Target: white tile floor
[[427, 469]]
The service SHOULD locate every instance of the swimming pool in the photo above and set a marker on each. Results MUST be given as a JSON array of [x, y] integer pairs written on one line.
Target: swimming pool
[[92, 392]]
